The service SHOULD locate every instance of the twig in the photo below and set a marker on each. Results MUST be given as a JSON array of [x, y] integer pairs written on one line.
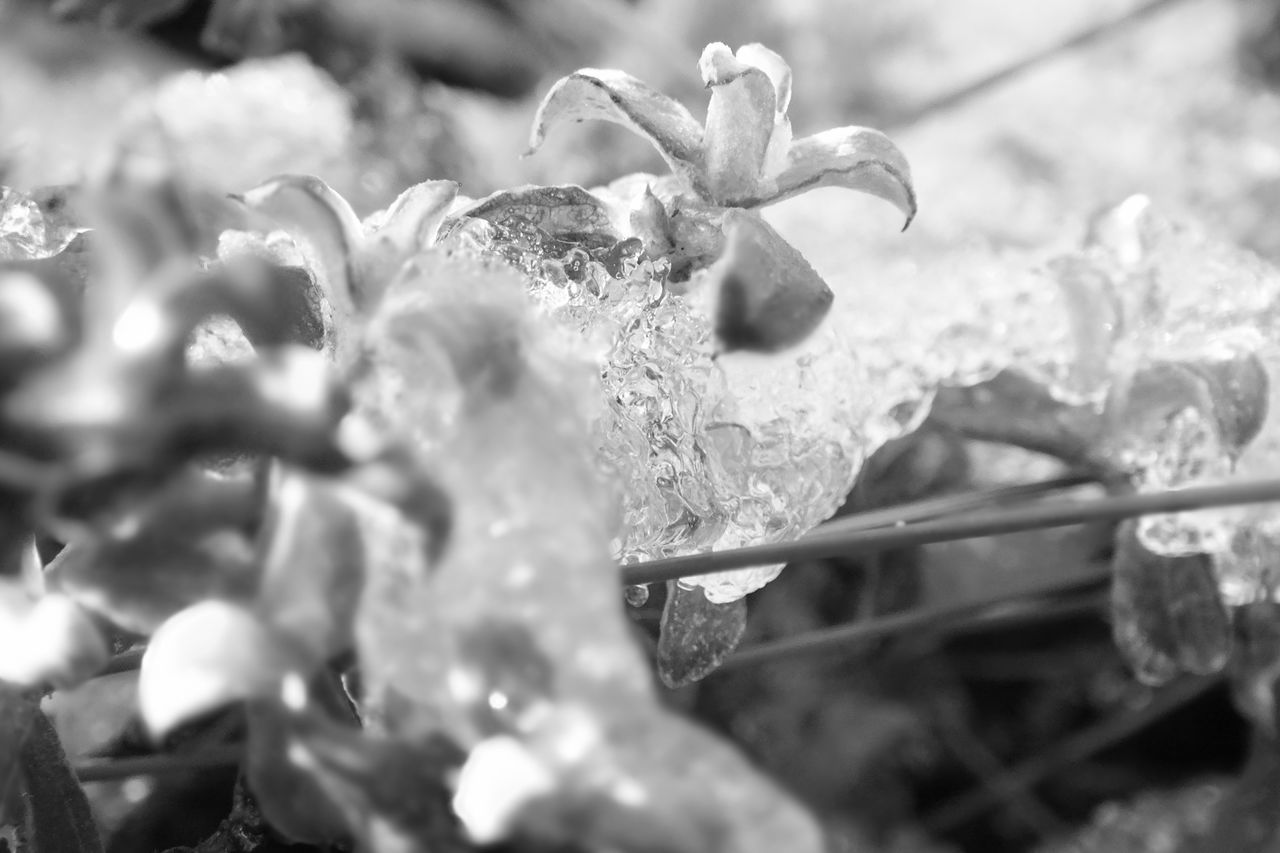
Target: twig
[[1075, 748], [946, 505], [978, 87], [986, 614], [969, 526], [102, 770]]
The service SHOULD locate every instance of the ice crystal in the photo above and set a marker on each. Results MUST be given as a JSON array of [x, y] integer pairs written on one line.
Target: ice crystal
[[27, 231], [705, 451]]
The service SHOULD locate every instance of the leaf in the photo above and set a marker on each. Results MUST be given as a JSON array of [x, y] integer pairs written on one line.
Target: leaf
[[739, 126], [768, 297], [312, 559], [17, 715], [561, 212], [211, 654], [1255, 667], [293, 801], [696, 634], [613, 96], [856, 158], [390, 793], [58, 815], [1168, 617], [56, 643]]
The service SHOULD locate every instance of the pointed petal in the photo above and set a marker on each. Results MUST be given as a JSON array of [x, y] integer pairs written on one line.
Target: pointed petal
[[769, 297], [775, 66], [405, 228], [740, 121], [856, 158], [614, 96], [325, 228]]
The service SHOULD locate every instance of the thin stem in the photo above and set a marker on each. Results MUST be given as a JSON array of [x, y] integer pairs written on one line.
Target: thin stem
[[153, 765], [1083, 744], [946, 505], [955, 618], [968, 526], [978, 87]]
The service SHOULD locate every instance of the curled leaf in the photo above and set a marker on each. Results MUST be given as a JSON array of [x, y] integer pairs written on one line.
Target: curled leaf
[[856, 158], [739, 126], [614, 96], [325, 228], [768, 297], [696, 634], [206, 656]]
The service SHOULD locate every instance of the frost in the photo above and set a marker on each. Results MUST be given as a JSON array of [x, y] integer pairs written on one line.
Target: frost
[[26, 231]]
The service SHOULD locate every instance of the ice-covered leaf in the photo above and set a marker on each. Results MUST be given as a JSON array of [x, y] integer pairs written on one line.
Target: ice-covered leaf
[[55, 643], [696, 635], [617, 97], [856, 158], [1167, 616], [768, 298], [28, 230], [207, 656], [529, 560], [567, 213], [739, 125]]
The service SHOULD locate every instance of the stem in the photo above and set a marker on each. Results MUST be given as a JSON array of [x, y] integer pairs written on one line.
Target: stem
[[962, 617], [945, 505], [151, 765], [1076, 748], [969, 526]]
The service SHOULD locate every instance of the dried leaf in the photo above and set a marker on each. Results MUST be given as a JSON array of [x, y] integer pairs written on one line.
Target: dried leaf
[[617, 97], [768, 296], [696, 634], [739, 126], [209, 655], [856, 158]]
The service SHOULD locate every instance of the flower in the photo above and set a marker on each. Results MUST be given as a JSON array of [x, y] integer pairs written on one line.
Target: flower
[[743, 155]]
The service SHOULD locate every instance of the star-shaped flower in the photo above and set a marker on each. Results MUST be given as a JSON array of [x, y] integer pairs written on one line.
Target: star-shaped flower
[[743, 155]]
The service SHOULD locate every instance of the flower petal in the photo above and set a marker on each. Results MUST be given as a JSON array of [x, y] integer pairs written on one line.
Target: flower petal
[[769, 298], [614, 96], [856, 158], [775, 66], [740, 122], [325, 228]]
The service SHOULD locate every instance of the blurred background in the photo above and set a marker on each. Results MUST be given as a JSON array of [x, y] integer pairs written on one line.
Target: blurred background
[[1019, 119]]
